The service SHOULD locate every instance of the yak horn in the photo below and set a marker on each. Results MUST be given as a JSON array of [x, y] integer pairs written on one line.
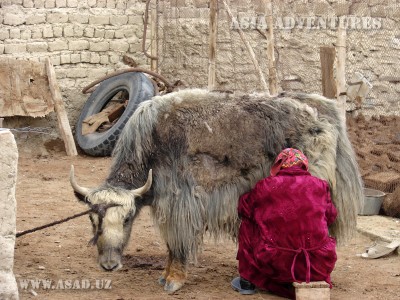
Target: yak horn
[[77, 188], [140, 191]]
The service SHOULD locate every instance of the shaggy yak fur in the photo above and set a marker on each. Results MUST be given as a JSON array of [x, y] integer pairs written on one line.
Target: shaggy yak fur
[[208, 148]]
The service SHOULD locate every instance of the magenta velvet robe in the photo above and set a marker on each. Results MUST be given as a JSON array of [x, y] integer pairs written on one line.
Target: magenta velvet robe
[[283, 236]]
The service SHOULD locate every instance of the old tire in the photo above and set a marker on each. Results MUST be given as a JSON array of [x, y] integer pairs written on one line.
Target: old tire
[[139, 87]]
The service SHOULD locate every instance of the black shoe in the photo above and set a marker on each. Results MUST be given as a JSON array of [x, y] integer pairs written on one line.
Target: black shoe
[[246, 285], [245, 288]]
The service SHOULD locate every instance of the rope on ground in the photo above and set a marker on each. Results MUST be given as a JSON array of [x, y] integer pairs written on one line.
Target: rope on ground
[[21, 233]]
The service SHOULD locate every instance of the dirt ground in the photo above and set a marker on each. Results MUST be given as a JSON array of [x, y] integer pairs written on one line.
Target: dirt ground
[[59, 256]]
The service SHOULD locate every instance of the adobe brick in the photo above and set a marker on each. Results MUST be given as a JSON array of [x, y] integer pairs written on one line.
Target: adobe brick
[[38, 3], [37, 47], [79, 18], [178, 3], [58, 31], [97, 72], [72, 3], [101, 3], [4, 34], [99, 20], [35, 19], [109, 34], [119, 46], [94, 58], [15, 33], [26, 34], [37, 33], [88, 32], [58, 45], [61, 3], [75, 73], [65, 59], [114, 58], [68, 31], [135, 48], [55, 60], [78, 31], [28, 4], [13, 19], [50, 4], [110, 4], [48, 32], [135, 20], [57, 18], [118, 20], [104, 59], [99, 33], [14, 48], [119, 34], [75, 58], [201, 3], [85, 57], [78, 45], [120, 5], [99, 46]]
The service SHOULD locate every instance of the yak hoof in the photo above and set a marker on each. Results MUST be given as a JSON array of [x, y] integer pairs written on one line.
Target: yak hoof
[[162, 280], [172, 286]]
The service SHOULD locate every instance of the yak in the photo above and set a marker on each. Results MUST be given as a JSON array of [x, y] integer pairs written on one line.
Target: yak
[[205, 150]]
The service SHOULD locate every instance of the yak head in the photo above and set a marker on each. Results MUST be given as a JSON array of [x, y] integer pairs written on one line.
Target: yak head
[[112, 213]]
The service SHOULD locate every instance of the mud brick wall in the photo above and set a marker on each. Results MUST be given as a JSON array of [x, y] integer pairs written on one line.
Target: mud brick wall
[[8, 178], [85, 39], [374, 53]]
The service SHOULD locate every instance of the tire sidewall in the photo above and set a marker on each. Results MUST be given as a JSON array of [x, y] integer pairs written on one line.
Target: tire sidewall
[[139, 88]]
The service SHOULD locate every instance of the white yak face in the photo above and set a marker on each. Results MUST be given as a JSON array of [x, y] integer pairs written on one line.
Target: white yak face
[[114, 233], [113, 210]]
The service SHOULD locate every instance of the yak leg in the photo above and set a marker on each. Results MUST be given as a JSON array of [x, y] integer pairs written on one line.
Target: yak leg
[[163, 278], [175, 273]]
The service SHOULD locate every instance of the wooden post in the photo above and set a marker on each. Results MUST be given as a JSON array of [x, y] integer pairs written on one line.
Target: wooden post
[[249, 49], [62, 117], [272, 80], [212, 49], [341, 68], [327, 56], [154, 36]]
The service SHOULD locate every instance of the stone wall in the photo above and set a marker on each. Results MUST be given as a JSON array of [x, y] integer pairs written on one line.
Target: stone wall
[[85, 40], [8, 179]]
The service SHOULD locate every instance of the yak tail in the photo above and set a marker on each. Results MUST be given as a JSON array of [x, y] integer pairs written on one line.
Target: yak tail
[[337, 165], [349, 192]]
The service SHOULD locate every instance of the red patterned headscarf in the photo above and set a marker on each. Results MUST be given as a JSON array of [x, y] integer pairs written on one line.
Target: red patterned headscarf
[[289, 157]]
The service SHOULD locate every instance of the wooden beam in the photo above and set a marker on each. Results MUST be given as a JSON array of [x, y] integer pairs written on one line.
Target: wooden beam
[[341, 68], [62, 117], [327, 56], [212, 48], [154, 37], [273, 78]]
